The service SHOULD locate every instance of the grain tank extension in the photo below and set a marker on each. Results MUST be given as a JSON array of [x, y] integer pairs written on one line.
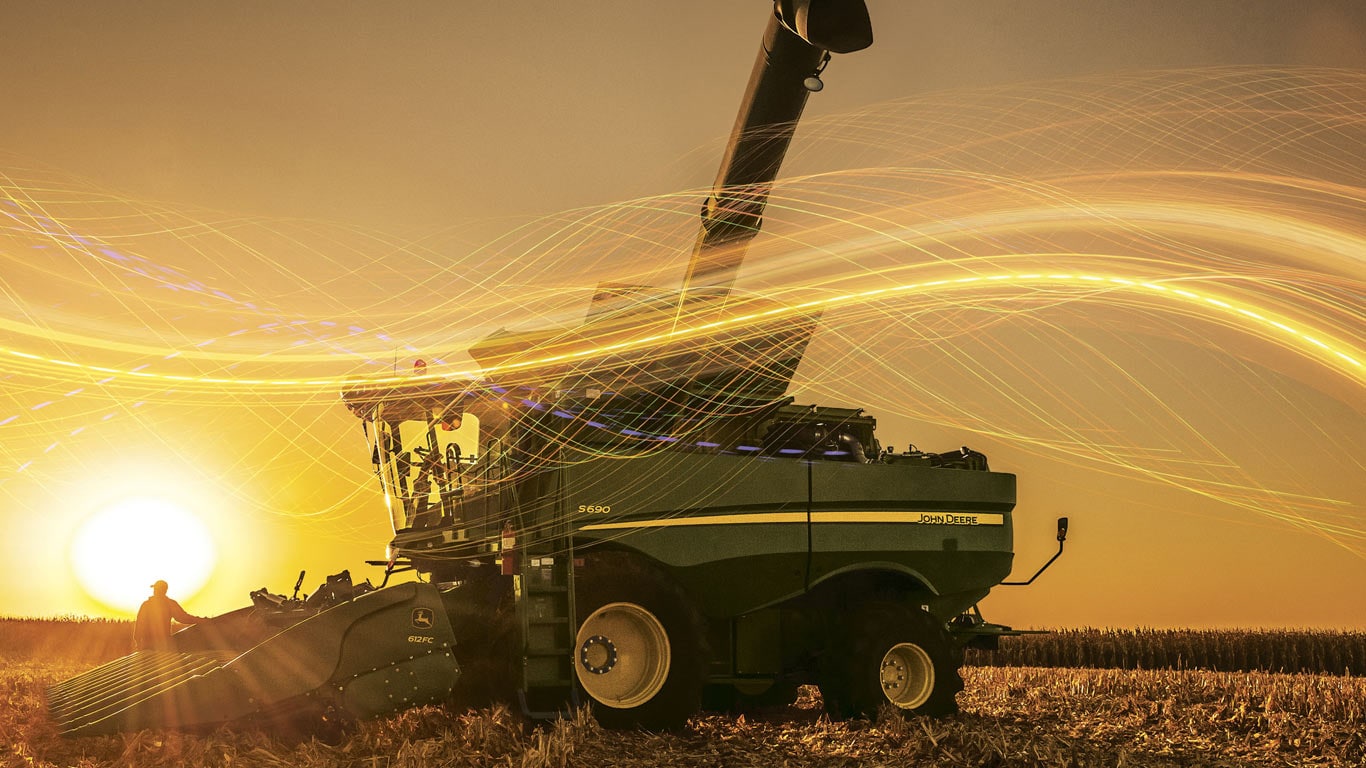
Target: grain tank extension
[[648, 530]]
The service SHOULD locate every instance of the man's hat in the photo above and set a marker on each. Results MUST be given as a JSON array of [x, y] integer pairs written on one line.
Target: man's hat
[[159, 584]]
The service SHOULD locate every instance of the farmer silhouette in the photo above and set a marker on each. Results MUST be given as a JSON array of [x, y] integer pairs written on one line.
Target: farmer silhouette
[[152, 632]]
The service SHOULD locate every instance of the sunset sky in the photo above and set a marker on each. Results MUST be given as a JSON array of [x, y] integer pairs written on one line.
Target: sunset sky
[[377, 167]]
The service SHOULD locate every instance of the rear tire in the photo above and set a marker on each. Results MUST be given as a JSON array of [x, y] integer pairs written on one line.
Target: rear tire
[[894, 654], [638, 652]]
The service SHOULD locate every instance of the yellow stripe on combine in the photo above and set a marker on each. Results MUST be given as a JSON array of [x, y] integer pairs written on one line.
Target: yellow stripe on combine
[[906, 518]]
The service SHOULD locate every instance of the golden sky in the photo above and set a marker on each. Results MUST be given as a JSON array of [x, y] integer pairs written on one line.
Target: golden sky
[[192, 185]]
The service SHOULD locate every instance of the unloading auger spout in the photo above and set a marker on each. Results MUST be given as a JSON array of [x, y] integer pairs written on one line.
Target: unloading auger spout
[[755, 362], [797, 45]]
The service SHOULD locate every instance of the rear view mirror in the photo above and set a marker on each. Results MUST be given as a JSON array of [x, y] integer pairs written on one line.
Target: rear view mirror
[[1062, 536]]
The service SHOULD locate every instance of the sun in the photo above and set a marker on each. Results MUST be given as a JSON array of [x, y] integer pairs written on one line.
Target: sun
[[121, 549]]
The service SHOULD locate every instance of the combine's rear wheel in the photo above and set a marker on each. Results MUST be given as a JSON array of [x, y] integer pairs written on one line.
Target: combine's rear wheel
[[891, 653], [638, 652]]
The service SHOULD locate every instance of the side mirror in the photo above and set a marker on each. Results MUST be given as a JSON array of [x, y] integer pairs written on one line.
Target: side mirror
[[1062, 536]]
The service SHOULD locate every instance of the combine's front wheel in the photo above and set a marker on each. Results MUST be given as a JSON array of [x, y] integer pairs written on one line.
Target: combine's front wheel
[[638, 652], [891, 653]]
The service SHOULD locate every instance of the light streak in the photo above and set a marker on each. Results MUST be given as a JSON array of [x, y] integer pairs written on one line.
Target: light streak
[[1336, 348], [1041, 267]]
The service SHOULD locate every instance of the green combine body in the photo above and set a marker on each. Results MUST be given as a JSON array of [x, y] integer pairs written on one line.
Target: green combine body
[[643, 527], [749, 525], [762, 530]]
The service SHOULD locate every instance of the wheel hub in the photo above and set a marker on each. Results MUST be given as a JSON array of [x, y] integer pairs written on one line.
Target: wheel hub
[[907, 675], [598, 655]]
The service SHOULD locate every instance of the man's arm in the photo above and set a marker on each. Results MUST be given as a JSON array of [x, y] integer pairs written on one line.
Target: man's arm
[[180, 615]]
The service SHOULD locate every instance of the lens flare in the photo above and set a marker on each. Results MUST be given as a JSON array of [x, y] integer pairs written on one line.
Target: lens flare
[[123, 548]]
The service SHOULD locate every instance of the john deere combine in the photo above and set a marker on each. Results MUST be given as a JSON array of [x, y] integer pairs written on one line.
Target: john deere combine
[[646, 527]]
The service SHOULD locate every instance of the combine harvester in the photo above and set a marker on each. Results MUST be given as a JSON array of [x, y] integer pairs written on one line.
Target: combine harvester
[[648, 529]]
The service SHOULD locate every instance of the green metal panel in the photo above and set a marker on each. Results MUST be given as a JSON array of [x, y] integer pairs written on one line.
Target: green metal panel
[[737, 530], [702, 515], [756, 636], [426, 679]]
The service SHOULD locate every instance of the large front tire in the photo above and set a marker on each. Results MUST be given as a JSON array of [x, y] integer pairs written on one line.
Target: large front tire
[[638, 651], [891, 653]]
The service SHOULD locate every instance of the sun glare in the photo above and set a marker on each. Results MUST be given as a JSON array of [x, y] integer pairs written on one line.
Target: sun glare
[[119, 551]]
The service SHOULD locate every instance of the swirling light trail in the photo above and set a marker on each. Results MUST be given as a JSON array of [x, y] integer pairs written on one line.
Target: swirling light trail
[[1310, 341], [1042, 249]]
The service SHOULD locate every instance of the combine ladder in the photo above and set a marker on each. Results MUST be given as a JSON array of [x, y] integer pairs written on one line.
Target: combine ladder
[[545, 609]]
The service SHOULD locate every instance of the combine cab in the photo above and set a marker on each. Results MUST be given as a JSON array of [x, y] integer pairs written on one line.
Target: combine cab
[[646, 527]]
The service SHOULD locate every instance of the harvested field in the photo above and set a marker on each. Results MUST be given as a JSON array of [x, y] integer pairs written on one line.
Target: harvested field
[[1012, 716]]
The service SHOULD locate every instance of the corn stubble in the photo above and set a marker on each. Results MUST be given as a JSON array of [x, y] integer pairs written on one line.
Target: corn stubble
[[1011, 716]]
